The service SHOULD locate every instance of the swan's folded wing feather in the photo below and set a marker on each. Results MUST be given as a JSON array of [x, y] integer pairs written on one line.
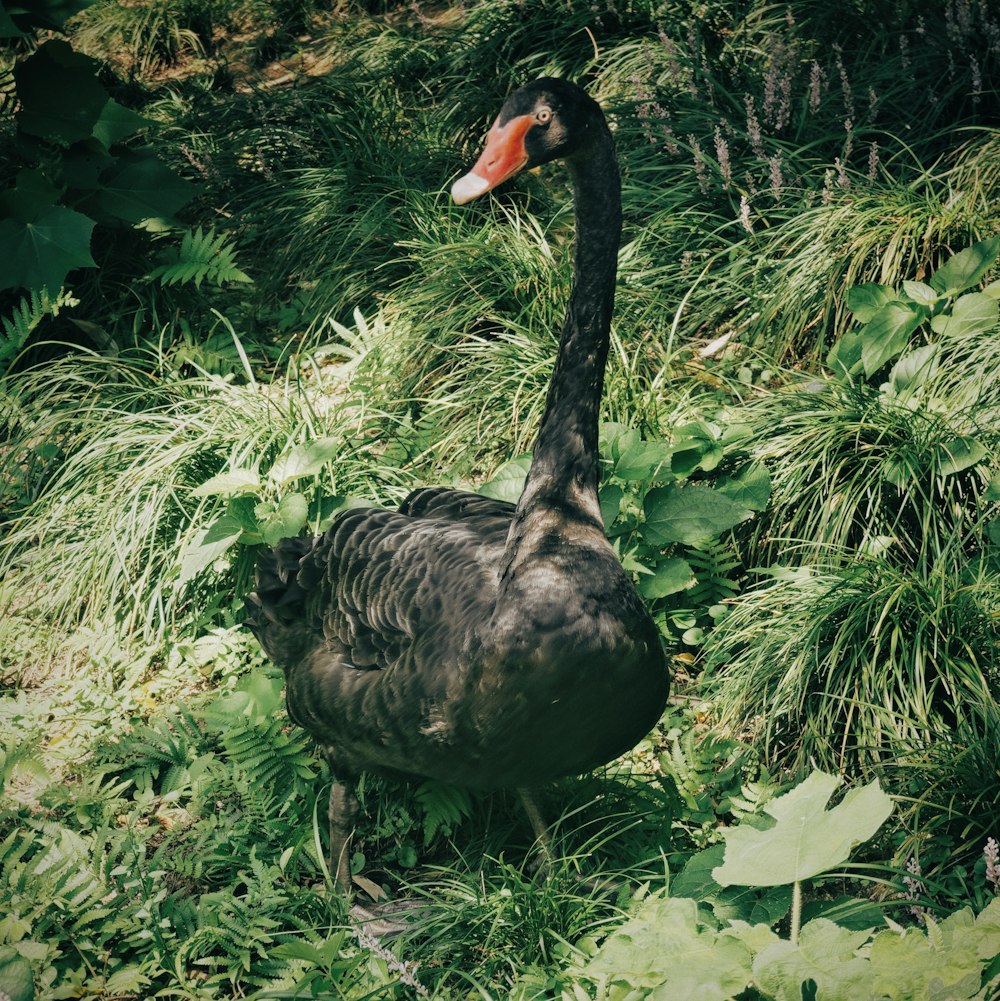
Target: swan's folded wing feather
[[488, 517]]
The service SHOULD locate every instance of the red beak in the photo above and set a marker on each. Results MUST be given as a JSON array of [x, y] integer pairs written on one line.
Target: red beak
[[503, 157]]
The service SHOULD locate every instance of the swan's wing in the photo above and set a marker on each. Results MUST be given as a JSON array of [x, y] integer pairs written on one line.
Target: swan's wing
[[373, 624], [489, 518]]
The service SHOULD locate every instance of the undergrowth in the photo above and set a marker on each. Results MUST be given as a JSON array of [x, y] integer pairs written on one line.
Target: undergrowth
[[251, 303]]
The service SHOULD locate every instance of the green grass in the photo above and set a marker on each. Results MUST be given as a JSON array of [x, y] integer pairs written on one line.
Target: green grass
[[414, 339]]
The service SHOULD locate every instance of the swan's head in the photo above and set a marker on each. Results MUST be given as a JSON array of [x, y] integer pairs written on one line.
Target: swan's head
[[545, 120]]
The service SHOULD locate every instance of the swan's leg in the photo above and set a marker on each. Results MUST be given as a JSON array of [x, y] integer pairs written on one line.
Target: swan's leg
[[543, 836], [342, 812]]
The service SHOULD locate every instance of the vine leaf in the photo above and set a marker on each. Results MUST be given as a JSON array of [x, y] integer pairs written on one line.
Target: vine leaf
[[807, 838]]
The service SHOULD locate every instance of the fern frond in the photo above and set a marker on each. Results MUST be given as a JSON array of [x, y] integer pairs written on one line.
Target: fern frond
[[444, 806], [28, 313], [202, 255]]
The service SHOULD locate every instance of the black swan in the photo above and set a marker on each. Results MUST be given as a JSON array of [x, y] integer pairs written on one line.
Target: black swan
[[469, 640]]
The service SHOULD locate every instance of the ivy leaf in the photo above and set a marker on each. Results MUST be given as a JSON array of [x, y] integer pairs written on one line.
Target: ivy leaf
[[40, 254], [306, 459], [967, 267], [806, 839], [508, 482], [693, 515], [887, 334]]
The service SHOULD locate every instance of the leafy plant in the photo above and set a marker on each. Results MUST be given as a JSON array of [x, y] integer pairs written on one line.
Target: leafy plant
[[75, 170], [891, 318], [669, 947]]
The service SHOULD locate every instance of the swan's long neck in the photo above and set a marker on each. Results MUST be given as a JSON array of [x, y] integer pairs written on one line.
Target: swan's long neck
[[562, 482]]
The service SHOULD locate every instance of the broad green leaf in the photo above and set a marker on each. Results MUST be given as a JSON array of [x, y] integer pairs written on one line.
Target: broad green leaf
[[668, 577], [8, 29], [32, 193], [306, 459], [807, 839], [44, 82], [208, 545], [286, 520], [697, 446], [921, 293], [992, 290], [137, 186], [974, 313], [642, 460], [844, 358], [41, 253], [958, 454], [826, 954], [611, 503], [864, 301], [914, 369], [945, 965], [508, 482], [692, 515], [749, 486], [887, 334], [233, 481], [16, 980], [967, 267], [616, 439], [256, 695], [667, 949], [116, 122]]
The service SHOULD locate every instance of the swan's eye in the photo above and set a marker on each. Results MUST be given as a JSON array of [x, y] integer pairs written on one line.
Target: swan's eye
[[543, 116]]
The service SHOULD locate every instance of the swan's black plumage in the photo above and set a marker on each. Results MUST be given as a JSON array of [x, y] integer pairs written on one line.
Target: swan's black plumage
[[465, 639]]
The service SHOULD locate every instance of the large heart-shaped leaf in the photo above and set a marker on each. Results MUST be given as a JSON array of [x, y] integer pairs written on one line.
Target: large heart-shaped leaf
[[40, 253], [807, 838]]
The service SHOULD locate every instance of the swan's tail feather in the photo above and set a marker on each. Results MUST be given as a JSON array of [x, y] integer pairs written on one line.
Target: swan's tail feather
[[275, 609]]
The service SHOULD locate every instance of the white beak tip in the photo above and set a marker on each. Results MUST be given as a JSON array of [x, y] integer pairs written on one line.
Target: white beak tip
[[466, 188]]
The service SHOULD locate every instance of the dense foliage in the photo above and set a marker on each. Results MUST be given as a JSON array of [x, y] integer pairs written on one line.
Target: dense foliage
[[235, 298]]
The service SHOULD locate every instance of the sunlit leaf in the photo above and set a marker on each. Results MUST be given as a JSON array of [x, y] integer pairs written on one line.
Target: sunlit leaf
[[958, 454], [864, 301], [887, 334], [967, 267], [306, 459], [807, 838]]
